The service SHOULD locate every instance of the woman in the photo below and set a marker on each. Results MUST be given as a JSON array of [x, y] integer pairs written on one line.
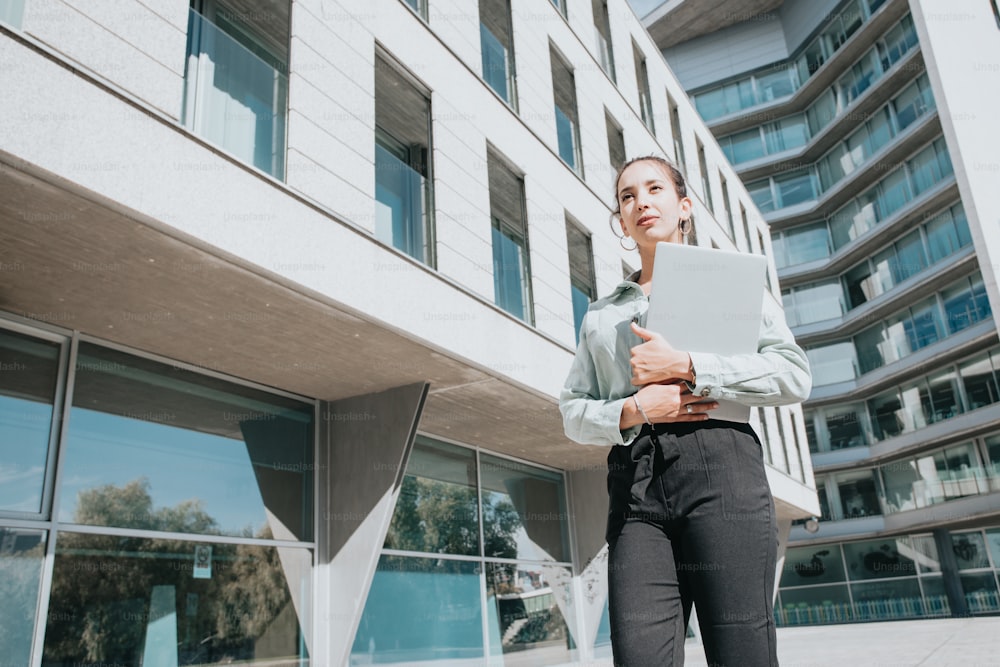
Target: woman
[[690, 519]]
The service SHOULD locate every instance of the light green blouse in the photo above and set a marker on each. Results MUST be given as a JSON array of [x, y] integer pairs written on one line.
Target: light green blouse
[[600, 379]]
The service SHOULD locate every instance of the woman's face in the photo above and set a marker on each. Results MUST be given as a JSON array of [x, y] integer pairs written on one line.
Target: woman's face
[[650, 208]]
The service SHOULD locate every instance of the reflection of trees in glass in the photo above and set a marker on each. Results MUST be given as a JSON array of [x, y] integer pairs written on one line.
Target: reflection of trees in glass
[[102, 589], [21, 556], [438, 517]]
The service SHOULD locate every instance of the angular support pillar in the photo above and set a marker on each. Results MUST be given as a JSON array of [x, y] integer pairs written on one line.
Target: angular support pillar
[[588, 491], [366, 444]]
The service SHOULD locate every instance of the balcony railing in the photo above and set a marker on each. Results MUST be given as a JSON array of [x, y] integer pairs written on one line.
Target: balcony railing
[[233, 98]]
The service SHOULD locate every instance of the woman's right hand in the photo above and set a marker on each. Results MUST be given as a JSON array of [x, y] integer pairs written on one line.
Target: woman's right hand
[[671, 402]]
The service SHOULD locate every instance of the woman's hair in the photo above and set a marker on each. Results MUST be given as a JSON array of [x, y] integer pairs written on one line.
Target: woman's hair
[[673, 174]]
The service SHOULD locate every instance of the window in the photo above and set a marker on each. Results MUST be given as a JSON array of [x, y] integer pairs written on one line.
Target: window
[[746, 227], [155, 452], [419, 6], [403, 183], [814, 303], [12, 12], [913, 102], [567, 121], [583, 286], [434, 608], [795, 188], [706, 187], [560, 5], [602, 35], [236, 81], [801, 244], [929, 166], [511, 267], [947, 233], [858, 495], [727, 207], [497, 47], [836, 362], [616, 142], [678, 137], [965, 303], [642, 83]]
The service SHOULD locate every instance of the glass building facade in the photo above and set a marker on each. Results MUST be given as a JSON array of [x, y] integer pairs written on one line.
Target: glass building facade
[[841, 146]]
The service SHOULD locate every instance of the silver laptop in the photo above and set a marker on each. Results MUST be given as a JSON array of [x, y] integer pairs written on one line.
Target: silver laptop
[[707, 300]]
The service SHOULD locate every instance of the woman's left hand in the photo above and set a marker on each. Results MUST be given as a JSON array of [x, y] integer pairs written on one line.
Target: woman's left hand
[[656, 361]]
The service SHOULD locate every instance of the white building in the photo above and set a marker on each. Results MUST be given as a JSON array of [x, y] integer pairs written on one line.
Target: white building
[[288, 295], [865, 131]]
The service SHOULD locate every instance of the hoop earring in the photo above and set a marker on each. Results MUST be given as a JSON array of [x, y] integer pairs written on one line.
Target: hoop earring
[[621, 242], [685, 226]]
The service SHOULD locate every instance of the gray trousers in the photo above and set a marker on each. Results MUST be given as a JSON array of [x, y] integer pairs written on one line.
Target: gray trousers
[[691, 521]]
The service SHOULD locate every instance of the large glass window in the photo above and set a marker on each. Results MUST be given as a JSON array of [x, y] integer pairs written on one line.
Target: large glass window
[[155, 447], [947, 233], [403, 190], [677, 135], [795, 188], [437, 510], [979, 381], [137, 600], [583, 286], [813, 565], [421, 610], [236, 81], [785, 134], [567, 121], [935, 477], [801, 244], [27, 396], [21, 555], [497, 48], [433, 609], [913, 102], [814, 303], [930, 166], [511, 267]]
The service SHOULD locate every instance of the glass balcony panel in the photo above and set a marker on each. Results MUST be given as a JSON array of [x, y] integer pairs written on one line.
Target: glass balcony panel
[[762, 195], [979, 381], [786, 134], [821, 112], [233, 98], [924, 326], [746, 146], [873, 350], [527, 610], [806, 244], [888, 416], [400, 205], [159, 601], [711, 104], [910, 258], [833, 363], [894, 193], [817, 303], [834, 166], [421, 611], [775, 85], [861, 284], [965, 304], [795, 188], [21, 555], [945, 236]]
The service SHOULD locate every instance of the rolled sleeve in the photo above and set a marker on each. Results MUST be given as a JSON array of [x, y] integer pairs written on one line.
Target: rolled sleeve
[[777, 374]]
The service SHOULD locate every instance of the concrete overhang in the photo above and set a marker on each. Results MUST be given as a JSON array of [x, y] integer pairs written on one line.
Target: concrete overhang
[[678, 21], [78, 263]]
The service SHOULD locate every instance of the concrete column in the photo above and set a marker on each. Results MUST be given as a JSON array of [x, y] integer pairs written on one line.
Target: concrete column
[[365, 444], [949, 573]]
